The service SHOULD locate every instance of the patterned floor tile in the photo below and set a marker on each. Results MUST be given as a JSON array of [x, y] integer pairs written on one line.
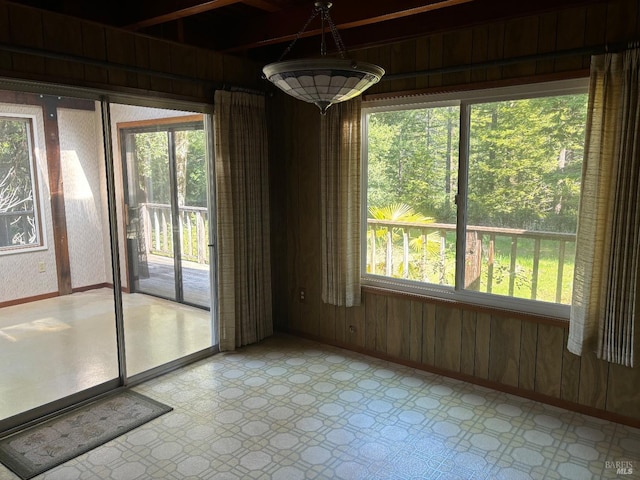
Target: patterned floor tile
[[291, 409]]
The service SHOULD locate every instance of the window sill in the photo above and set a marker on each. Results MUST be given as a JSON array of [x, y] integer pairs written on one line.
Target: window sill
[[531, 317]]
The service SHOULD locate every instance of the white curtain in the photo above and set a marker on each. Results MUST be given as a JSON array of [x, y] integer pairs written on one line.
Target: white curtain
[[340, 203], [607, 263], [242, 187]]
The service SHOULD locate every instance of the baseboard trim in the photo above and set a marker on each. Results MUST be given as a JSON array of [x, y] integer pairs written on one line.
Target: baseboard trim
[[35, 298], [538, 397], [96, 286]]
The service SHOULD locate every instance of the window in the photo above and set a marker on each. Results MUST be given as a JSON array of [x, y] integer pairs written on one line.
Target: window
[[476, 197], [19, 215]]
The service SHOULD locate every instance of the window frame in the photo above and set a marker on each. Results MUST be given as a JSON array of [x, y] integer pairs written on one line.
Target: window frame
[[41, 239], [465, 100]]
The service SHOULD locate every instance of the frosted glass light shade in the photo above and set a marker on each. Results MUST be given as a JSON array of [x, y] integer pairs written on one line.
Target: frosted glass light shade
[[323, 81]]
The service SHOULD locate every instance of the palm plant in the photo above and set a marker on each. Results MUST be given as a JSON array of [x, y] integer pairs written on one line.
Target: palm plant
[[397, 240]]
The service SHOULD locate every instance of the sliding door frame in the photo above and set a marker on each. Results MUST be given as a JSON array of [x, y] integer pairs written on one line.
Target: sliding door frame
[[38, 414]]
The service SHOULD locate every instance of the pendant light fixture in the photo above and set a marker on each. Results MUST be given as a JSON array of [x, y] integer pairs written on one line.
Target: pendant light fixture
[[325, 80]]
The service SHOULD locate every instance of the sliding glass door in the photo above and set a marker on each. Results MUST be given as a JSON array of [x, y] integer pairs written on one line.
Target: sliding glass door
[[164, 157], [167, 229], [104, 246], [57, 320]]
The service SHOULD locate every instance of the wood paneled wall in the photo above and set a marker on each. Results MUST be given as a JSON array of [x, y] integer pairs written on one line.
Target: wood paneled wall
[[519, 355], [45, 46]]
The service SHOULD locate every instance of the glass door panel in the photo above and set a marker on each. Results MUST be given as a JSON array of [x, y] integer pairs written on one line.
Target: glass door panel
[[190, 155], [149, 214], [57, 321], [164, 185]]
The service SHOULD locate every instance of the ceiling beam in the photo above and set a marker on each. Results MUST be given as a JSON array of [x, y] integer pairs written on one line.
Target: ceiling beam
[[279, 27], [263, 5], [182, 13]]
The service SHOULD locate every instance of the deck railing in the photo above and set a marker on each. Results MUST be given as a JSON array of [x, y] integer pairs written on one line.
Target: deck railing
[[17, 228], [508, 261], [156, 218]]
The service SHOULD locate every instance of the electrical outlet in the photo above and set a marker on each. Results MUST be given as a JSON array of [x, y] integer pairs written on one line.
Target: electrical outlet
[[303, 294], [42, 267]]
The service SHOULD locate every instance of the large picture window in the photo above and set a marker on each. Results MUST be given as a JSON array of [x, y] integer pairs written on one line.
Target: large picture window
[[476, 197], [19, 215]]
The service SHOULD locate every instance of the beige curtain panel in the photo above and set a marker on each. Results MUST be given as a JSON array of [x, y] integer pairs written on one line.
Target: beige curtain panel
[[607, 264], [242, 188], [340, 197]]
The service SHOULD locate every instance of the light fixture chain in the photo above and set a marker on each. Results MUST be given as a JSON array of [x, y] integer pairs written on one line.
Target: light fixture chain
[[336, 36], [299, 34]]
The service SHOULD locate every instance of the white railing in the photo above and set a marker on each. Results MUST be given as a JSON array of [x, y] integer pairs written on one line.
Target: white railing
[[426, 252], [194, 231]]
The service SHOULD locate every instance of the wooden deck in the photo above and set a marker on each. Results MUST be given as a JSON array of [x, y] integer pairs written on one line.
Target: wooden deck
[[195, 281]]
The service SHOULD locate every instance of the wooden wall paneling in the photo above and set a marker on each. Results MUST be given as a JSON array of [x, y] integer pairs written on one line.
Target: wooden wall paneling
[[370, 305], [327, 321], [184, 62], [341, 333], [292, 174], [5, 57], [25, 27], [310, 254], [448, 337], [504, 356], [571, 25], [528, 351], [622, 20], [547, 31], [382, 56], [280, 135], [372, 55], [483, 345], [381, 323], [403, 59], [594, 375], [120, 51], [395, 320], [160, 61], [429, 334], [212, 63], [63, 34], [422, 61], [595, 30], [457, 49], [142, 60], [355, 318], [549, 360], [570, 372], [398, 327], [479, 53], [468, 342], [623, 392], [435, 59], [415, 336], [520, 38], [94, 46], [495, 49]]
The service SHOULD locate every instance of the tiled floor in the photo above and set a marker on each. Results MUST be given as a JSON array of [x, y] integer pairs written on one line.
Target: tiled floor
[[292, 409], [56, 347]]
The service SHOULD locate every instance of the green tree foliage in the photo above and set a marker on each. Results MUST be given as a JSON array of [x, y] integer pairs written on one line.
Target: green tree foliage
[[412, 159], [151, 152], [525, 163], [16, 190]]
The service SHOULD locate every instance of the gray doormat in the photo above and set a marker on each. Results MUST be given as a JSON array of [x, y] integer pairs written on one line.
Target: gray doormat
[[51, 443]]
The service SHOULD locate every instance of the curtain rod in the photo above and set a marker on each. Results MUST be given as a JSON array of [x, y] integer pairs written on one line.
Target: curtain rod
[[594, 50]]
